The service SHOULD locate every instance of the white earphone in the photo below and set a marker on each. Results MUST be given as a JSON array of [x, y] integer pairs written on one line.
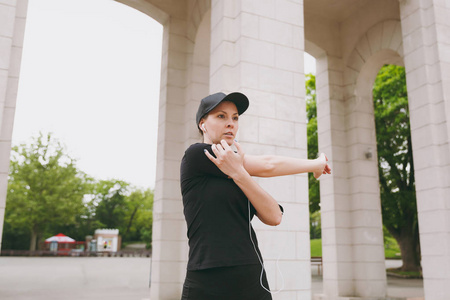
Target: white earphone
[[204, 128]]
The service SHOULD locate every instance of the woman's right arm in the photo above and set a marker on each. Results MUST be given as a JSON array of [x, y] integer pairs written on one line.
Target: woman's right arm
[[272, 165]]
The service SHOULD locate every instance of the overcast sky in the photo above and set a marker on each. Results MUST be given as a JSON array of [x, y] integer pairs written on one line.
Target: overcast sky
[[90, 75]]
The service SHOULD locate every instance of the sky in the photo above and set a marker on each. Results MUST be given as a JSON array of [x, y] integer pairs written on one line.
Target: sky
[[90, 75]]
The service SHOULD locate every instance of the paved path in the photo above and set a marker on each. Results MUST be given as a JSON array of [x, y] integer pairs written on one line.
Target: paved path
[[112, 278], [411, 289], [74, 278]]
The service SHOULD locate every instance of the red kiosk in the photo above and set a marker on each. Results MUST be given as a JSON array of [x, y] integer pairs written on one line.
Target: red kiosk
[[61, 243]]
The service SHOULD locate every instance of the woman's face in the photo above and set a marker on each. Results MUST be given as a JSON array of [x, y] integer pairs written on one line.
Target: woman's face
[[221, 123]]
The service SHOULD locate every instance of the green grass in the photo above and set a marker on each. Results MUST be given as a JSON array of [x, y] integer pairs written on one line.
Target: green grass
[[316, 247], [391, 248], [406, 274]]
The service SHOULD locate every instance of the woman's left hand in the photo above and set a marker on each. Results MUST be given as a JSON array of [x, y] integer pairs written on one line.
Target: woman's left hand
[[323, 168], [232, 164], [228, 161]]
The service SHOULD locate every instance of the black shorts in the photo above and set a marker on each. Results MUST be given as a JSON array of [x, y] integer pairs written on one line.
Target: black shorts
[[226, 283]]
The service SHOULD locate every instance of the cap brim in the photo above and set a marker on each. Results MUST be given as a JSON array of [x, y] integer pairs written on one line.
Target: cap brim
[[239, 99]]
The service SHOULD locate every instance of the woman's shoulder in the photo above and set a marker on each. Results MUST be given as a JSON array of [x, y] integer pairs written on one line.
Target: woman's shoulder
[[197, 147], [196, 163]]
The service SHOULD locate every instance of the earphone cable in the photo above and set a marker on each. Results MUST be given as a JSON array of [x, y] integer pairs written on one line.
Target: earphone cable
[[260, 259]]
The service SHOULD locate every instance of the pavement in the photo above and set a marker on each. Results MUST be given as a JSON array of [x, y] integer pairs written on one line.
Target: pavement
[[397, 288], [74, 278], [116, 278]]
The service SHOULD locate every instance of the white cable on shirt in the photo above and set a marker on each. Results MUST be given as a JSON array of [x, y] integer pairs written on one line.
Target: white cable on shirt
[[260, 260]]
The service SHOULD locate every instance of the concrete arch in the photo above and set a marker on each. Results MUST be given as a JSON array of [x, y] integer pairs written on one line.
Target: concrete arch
[[385, 35], [197, 12], [193, 11], [313, 49], [147, 8], [202, 42], [198, 75], [381, 44], [369, 71]]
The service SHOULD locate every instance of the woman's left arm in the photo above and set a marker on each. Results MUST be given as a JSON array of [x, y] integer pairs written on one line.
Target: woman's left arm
[[231, 163], [272, 165]]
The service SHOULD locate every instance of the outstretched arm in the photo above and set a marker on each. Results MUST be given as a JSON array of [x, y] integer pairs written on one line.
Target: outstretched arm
[[231, 163], [272, 165]]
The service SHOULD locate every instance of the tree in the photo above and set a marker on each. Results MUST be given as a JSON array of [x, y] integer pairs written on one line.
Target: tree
[[47, 194], [395, 163], [85, 222], [45, 188], [138, 215], [115, 204], [110, 203], [313, 149]]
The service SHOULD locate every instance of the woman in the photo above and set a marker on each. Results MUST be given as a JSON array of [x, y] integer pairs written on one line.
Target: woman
[[220, 198]]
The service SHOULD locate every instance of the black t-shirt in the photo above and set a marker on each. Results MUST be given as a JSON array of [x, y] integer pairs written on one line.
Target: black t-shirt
[[216, 212]]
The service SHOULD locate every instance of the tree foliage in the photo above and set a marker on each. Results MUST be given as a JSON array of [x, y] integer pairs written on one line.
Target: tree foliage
[[109, 199], [313, 144], [45, 188], [120, 206], [139, 217], [313, 149], [395, 162], [47, 195]]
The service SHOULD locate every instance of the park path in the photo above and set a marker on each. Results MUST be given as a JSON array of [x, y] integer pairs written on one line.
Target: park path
[[74, 278], [114, 278]]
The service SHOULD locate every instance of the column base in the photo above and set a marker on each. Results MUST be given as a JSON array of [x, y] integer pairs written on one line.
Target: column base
[[324, 297]]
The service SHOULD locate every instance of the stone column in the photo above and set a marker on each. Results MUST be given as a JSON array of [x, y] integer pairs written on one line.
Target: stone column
[[334, 194], [184, 81], [257, 48], [169, 242], [426, 45], [12, 29], [368, 259], [352, 239]]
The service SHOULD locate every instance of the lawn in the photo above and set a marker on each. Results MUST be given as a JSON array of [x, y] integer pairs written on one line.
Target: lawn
[[391, 249], [316, 247]]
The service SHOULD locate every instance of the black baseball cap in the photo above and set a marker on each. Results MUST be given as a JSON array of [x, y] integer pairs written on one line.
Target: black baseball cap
[[210, 102]]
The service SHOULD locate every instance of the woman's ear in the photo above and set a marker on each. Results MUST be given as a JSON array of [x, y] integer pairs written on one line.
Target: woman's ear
[[202, 127]]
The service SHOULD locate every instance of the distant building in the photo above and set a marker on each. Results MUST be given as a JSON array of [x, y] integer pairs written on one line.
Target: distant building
[[107, 240]]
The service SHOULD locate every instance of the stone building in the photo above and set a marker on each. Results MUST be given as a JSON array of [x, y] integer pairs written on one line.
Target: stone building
[[257, 47]]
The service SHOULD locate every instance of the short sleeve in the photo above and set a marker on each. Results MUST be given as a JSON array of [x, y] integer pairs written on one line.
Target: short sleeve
[[198, 163], [253, 210]]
